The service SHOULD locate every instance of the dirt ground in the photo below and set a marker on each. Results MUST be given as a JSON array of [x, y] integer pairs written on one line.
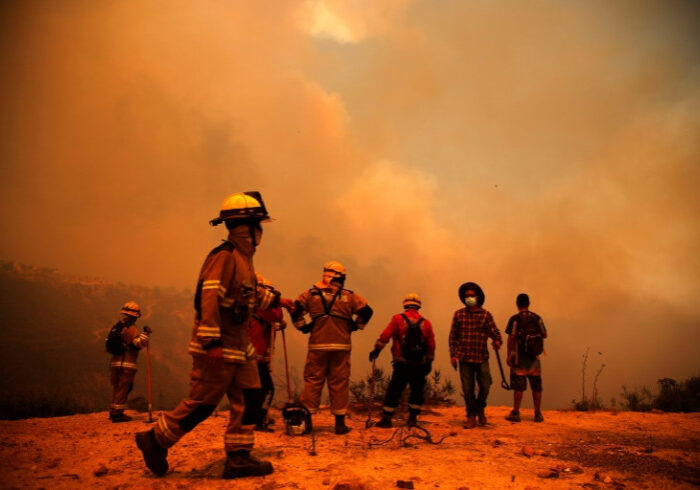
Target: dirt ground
[[568, 450]]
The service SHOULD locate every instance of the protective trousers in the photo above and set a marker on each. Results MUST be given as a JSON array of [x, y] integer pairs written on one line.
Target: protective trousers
[[122, 380], [258, 401], [333, 366], [411, 374], [207, 386]]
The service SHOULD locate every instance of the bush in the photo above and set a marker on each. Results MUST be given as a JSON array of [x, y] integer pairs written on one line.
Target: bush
[[637, 400], [437, 390], [678, 397], [671, 397], [360, 391]]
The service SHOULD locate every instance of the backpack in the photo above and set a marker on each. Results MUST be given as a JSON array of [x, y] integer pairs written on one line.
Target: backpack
[[414, 347], [114, 344], [529, 334]]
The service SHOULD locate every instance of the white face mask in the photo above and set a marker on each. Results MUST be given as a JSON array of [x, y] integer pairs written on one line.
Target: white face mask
[[470, 301]]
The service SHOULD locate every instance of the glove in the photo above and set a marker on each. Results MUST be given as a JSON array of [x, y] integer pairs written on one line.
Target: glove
[[497, 344], [428, 366], [279, 326], [147, 329], [454, 363], [307, 328], [353, 326], [287, 304], [374, 354]]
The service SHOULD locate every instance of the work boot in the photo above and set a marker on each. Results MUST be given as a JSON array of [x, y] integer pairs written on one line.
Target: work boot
[[154, 455], [240, 464], [412, 420], [513, 416], [481, 417], [471, 422], [340, 427], [538, 416], [385, 422], [119, 417]]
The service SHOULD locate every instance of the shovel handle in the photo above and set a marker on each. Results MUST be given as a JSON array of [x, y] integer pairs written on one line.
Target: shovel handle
[[504, 383], [148, 381], [286, 366]]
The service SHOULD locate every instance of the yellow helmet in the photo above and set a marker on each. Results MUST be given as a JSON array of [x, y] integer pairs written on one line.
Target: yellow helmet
[[412, 299], [242, 205], [334, 266], [131, 308]]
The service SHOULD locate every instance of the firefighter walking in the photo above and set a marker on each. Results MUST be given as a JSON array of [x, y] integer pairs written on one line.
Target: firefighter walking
[[334, 314], [124, 343], [223, 363], [413, 351]]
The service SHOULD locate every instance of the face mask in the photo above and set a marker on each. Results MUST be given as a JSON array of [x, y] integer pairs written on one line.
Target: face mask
[[258, 236], [470, 301]]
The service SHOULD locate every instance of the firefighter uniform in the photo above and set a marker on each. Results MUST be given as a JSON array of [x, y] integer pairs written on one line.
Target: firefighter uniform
[[405, 371], [226, 296], [413, 352], [262, 330], [223, 361], [122, 369], [335, 313]]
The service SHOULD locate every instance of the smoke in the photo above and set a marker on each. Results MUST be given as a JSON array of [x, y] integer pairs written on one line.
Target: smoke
[[545, 148]]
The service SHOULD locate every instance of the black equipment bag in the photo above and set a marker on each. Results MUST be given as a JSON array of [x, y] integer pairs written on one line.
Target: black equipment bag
[[114, 344], [529, 334], [414, 347]]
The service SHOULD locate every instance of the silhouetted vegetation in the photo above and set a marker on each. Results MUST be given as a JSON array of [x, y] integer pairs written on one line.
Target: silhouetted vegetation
[[52, 342], [671, 396], [437, 390], [593, 401]]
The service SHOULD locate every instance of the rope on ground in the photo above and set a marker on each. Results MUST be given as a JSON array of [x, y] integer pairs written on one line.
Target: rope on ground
[[404, 433]]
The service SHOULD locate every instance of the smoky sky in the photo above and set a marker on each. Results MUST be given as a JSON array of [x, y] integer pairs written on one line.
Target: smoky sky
[[542, 147]]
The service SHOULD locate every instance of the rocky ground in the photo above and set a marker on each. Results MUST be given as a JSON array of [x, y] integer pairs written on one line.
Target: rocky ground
[[568, 450]]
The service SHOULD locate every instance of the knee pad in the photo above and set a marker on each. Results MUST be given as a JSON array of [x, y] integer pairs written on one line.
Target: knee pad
[[199, 414]]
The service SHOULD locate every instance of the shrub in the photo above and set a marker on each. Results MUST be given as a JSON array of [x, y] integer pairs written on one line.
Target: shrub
[[678, 397], [637, 400], [437, 390]]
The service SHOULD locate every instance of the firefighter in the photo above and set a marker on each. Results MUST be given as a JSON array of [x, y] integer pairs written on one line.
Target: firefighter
[[335, 313], [125, 351], [261, 331], [413, 351], [223, 358]]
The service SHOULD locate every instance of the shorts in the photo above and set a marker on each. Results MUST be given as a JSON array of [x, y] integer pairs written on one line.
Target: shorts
[[528, 368]]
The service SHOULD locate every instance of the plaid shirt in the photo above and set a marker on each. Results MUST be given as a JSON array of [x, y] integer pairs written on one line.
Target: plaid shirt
[[469, 334]]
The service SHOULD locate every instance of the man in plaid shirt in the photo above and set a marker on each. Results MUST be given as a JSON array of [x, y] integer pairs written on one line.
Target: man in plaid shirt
[[471, 328]]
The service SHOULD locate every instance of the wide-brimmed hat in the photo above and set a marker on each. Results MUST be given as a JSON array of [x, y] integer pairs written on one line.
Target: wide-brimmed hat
[[480, 296]]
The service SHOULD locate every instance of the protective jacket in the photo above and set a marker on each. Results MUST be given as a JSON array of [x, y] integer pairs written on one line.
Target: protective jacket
[[134, 342], [334, 313], [227, 294], [261, 331], [396, 331]]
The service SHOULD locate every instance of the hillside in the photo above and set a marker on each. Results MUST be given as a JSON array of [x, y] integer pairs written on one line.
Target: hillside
[[569, 450], [52, 341]]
